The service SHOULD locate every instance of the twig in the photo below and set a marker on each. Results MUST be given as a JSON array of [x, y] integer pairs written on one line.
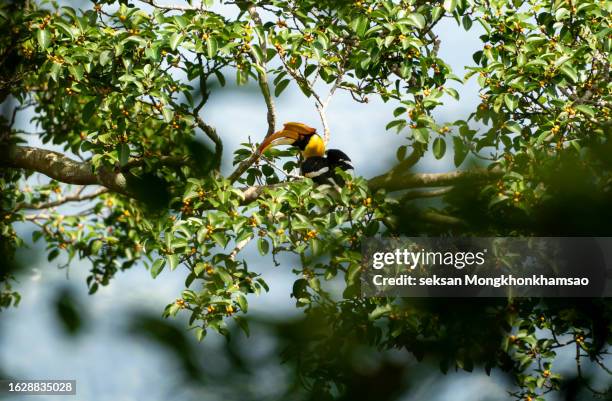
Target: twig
[[239, 247], [77, 197], [165, 160], [175, 7], [321, 110], [212, 134]]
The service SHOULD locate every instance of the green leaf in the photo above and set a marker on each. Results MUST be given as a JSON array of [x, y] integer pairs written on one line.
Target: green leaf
[[561, 14], [562, 60], [157, 267], [76, 71], [56, 69], [220, 238], [467, 22], [124, 154], [406, 70], [511, 101], [450, 5], [569, 71], [96, 246], [300, 287], [200, 333], [225, 276], [44, 38], [220, 77], [588, 110], [439, 147], [359, 25], [89, 109], [53, 254], [379, 311], [263, 246], [420, 135], [436, 13], [36, 235], [62, 27], [417, 20], [280, 87], [199, 268], [211, 47], [242, 302], [173, 261], [105, 57], [168, 114], [452, 92], [461, 151], [513, 126], [353, 273], [176, 39], [243, 324]]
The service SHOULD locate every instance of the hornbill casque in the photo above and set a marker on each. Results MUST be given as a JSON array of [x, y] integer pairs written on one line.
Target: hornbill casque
[[317, 163]]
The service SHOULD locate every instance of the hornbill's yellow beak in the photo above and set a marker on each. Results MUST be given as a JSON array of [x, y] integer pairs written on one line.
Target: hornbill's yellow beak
[[289, 135], [282, 137]]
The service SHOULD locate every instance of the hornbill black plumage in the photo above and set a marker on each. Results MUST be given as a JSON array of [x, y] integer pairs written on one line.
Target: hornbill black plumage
[[317, 163]]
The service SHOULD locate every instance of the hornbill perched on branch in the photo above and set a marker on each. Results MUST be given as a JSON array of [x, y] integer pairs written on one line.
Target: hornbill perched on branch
[[317, 163]]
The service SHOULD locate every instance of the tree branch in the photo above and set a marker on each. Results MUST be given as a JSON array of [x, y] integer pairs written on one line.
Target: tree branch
[[252, 193], [262, 78], [212, 134], [176, 161], [262, 71], [392, 182], [76, 197], [175, 7], [242, 167], [64, 169], [59, 167]]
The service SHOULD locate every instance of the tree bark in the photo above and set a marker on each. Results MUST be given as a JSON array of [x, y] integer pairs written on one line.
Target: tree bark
[[61, 168]]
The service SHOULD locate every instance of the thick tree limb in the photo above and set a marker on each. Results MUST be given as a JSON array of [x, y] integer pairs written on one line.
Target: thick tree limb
[[392, 182], [61, 168]]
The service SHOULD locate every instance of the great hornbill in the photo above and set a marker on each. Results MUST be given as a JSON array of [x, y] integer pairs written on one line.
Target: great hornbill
[[317, 163]]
